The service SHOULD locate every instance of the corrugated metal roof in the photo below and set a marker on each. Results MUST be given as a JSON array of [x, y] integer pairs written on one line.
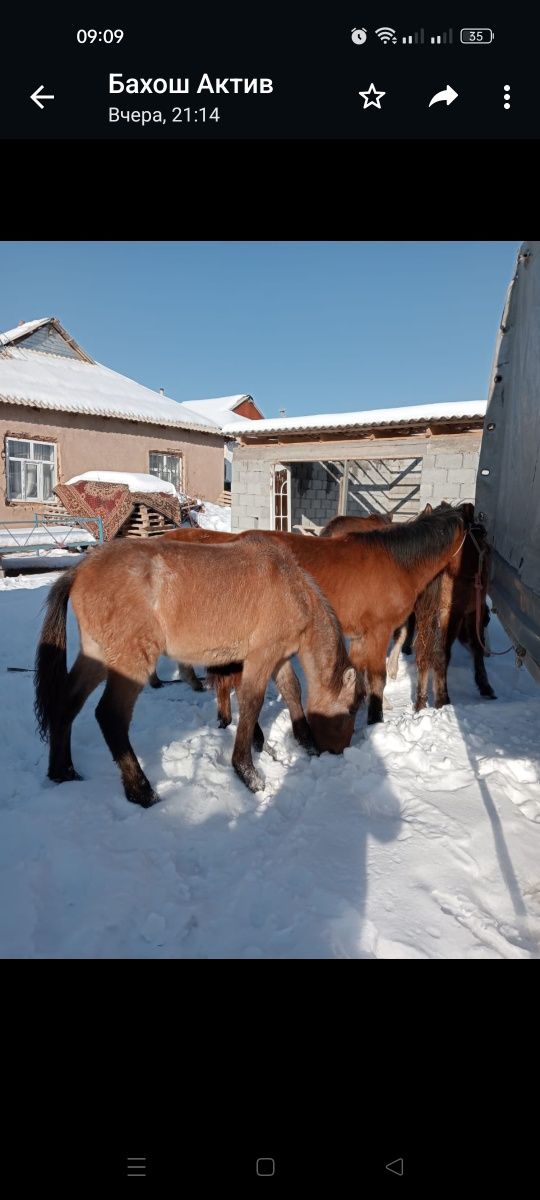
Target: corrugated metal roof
[[39, 380], [418, 414]]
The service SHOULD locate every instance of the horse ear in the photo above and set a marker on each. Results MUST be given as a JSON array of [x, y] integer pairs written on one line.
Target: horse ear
[[349, 680], [428, 510]]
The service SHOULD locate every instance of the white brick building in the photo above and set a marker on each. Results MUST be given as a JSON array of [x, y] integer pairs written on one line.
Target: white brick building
[[292, 471]]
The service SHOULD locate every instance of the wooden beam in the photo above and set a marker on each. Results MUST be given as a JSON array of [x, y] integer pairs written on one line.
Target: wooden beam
[[397, 447]]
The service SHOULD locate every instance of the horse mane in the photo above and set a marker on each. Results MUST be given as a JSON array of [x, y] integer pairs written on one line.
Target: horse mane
[[341, 660], [414, 542]]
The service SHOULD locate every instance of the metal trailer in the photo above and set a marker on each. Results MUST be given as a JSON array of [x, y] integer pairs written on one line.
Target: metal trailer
[[508, 483]]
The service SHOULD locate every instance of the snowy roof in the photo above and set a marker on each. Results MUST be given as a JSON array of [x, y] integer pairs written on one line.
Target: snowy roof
[[79, 385], [219, 410], [412, 414], [13, 335], [134, 481]]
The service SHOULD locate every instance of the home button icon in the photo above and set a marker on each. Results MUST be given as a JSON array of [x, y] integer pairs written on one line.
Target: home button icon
[[266, 1166]]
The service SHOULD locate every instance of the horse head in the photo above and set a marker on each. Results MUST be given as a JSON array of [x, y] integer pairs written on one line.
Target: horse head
[[332, 720]]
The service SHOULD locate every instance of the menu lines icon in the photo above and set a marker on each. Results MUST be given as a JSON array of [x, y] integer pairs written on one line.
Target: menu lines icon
[[136, 1167]]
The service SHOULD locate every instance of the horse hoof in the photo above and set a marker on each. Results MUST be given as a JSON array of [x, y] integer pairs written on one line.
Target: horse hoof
[[252, 779], [489, 695], [145, 799], [223, 722], [68, 776]]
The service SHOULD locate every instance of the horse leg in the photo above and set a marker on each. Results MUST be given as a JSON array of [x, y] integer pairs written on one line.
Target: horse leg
[[250, 699], [470, 639], [85, 675], [288, 684], [357, 655], [370, 655], [393, 658], [113, 714], [223, 687], [187, 675], [448, 631], [411, 630]]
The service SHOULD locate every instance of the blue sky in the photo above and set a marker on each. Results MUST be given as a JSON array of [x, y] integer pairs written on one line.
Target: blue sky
[[310, 327]]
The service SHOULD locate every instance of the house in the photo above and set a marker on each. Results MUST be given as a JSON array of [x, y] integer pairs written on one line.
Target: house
[[291, 471], [229, 410], [62, 413]]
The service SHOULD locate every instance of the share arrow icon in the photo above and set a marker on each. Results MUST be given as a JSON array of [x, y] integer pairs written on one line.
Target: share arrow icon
[[449, 95]]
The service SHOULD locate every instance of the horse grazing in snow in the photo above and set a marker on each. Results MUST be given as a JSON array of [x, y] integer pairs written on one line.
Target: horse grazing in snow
[[372, 581], [202, 604]]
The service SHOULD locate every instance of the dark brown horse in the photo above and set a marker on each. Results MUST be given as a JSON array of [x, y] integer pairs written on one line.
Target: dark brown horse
[[371, 579], [133, 601], [338, 527], [454, 606]]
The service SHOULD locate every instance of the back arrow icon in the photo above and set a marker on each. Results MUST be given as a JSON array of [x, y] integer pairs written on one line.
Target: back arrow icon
[[449, 94], [396, 1167], [37, 97]]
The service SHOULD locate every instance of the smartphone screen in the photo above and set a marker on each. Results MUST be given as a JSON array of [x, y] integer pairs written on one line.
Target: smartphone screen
[[269, 575]]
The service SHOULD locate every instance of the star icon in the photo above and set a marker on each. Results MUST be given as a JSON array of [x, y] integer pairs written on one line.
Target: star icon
[[372, 96]]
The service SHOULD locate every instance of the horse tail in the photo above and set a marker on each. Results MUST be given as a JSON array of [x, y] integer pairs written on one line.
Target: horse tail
[[51, 659]]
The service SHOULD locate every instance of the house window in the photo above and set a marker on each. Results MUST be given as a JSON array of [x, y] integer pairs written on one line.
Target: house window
[[31, 470], [167, 466]]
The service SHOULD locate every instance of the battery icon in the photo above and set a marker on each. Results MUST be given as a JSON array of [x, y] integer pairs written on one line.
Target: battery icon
[[476, 37]]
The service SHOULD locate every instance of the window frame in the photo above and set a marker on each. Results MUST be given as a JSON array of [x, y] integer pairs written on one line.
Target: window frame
[[177, 454], [37, 462]]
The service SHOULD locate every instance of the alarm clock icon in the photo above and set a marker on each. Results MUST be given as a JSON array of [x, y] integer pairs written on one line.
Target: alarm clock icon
[[359, 36]]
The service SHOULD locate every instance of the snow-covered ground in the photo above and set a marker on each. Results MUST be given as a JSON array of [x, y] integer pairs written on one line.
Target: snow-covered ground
[[421, 841], [215, 516]]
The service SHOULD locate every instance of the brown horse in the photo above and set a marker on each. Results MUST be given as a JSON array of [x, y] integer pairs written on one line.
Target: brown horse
[[449, 609], [136, 600], [338, 526], [371, 579]]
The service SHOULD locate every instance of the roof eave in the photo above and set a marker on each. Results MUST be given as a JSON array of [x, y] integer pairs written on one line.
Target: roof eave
[[413, 425], [114, 414]]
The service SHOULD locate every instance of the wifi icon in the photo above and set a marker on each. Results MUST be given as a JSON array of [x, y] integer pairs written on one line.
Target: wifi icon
[[385, 34]]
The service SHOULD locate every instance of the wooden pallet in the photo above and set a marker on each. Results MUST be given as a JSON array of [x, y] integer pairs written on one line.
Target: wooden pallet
[[224, 498], [145, 522]]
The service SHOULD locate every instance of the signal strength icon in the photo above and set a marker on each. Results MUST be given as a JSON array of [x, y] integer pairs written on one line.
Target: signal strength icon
[[440, 39], [385, 34], [413, 39]]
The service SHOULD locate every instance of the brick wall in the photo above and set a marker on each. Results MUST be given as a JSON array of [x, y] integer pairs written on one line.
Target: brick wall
[[250, 494], [449, 476], [315, 492]]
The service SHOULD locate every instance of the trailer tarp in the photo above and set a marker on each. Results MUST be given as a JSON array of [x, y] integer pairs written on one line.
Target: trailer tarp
[[508, 483]]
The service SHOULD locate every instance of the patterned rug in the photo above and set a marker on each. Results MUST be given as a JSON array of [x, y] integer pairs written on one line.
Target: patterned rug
[[113, 502]]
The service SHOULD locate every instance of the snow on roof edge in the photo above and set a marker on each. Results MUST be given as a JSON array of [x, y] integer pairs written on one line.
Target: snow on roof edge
[[87, 410], [11, 335], [453, 410]]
